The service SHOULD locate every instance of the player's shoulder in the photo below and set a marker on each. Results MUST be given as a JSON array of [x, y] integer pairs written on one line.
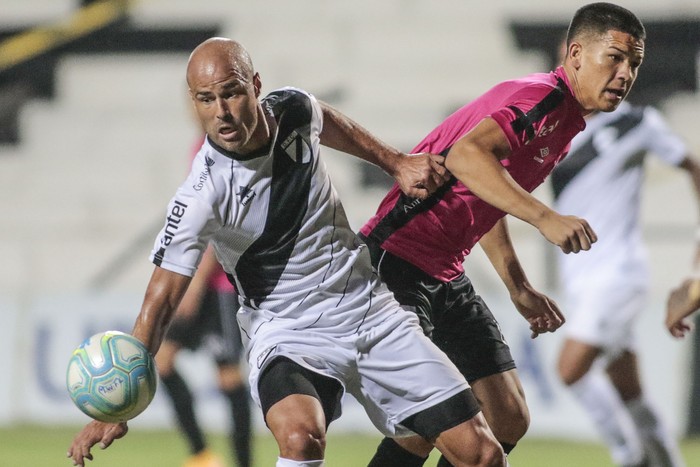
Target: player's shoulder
[[538, 82], [546, 91], [290, 100]]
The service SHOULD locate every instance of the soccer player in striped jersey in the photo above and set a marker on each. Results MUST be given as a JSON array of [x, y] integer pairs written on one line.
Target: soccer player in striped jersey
[[607, 289], [499, 148], [315, 319]]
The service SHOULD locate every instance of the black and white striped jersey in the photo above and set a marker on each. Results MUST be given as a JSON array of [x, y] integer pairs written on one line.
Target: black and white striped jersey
[[276, 225], [601, 180]]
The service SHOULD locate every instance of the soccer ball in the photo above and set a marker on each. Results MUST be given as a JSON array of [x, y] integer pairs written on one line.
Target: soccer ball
[[111, 377]]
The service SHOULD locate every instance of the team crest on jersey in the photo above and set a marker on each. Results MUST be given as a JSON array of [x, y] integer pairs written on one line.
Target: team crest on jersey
[[544, 152], [245, 195], [297, 148]]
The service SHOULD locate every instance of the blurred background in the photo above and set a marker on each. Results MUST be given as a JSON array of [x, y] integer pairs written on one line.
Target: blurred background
[[96, 133]]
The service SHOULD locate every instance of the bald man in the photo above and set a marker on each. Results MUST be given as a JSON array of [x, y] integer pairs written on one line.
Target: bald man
[[315, 319]]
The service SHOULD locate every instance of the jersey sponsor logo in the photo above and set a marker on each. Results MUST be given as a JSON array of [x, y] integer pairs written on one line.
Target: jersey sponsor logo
[[547, 129], [204, 175], [412, 205], [297, 148], [174, 218], [245, 195]]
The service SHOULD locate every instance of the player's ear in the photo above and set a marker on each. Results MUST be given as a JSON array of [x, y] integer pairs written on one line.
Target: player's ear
[[573, 54], [257, 84]]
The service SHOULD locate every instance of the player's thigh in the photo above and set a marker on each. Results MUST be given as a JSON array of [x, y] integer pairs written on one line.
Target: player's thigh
[[467, 331], [471, 442], [575, 359], [624, 374], [502, 401], [295, 398], [404, 375]]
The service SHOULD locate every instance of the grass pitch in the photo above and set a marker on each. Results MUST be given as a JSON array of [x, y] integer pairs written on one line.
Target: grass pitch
[[39, 446]]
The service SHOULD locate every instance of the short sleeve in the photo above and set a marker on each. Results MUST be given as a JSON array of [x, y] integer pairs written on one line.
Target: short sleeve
[[189, 224]]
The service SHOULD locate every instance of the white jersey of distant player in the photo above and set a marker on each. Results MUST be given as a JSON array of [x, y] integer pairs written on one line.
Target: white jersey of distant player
[[277, 226], [600, 180]]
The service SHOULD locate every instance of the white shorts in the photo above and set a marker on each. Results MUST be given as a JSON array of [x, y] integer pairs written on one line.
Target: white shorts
[[603, 315], [389, 366]]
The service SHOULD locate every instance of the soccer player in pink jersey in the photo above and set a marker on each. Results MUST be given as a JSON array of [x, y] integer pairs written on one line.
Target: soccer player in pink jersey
[[498, 148]]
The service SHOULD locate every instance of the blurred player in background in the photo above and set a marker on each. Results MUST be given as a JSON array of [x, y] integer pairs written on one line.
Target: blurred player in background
[[607, 289], [499, 148], [315, 319], [206, 318]]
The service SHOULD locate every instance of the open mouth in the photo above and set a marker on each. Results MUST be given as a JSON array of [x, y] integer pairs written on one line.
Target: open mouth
[[615, 94], [227, 132]]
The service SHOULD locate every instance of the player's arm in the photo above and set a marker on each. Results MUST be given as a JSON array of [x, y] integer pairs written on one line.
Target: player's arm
[[540, 311], [163, 294], [475, 161], [417, 175]]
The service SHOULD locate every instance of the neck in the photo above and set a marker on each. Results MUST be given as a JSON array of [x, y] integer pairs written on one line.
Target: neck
[[263, 131], [572, 76]]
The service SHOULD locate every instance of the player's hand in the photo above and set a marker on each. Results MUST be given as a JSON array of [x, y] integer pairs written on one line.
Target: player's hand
[[682, 302], [93, 433], [570, 233], [540, 311], [419, 175]]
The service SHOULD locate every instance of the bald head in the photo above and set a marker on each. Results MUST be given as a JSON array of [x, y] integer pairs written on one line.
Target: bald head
[[219, 55], [224, 91]]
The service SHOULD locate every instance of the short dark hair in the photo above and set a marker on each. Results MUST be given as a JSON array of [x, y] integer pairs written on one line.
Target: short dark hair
[[599, 18]]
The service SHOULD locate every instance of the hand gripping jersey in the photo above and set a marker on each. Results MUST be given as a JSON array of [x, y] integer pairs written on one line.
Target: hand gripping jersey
[[277, 227], [539, 116], [601, 181]]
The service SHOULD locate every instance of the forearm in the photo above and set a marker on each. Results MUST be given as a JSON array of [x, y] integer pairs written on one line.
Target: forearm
[[163, 295], [344, 134], [498, 247]]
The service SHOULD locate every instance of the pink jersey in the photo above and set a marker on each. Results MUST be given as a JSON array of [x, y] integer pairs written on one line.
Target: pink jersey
[[539, 116]]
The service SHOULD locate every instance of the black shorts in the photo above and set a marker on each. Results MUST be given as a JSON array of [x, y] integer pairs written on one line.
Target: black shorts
[[213, 328], [283, 378], [450, 313]]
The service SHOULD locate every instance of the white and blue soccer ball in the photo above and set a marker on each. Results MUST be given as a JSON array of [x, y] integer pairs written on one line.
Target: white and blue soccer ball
[[111, 377]]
